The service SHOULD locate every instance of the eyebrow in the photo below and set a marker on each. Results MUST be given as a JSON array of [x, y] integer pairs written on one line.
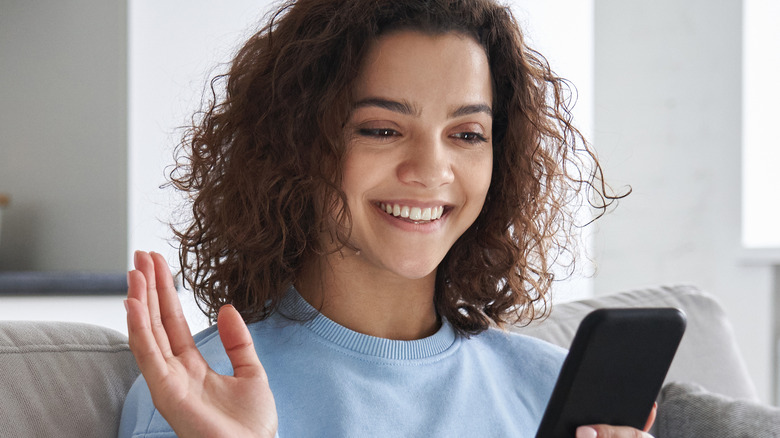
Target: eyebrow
[[472, 109], [402, 107], [406, 108]]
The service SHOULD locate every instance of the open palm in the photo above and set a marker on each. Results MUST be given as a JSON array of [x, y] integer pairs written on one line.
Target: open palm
[[195, 400]]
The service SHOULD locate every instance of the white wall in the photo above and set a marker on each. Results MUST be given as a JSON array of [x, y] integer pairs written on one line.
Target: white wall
[[175, 47], [668, 122], [563, 31], [760, 113]]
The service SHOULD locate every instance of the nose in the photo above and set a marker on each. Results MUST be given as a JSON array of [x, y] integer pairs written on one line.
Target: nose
[[427, 164]]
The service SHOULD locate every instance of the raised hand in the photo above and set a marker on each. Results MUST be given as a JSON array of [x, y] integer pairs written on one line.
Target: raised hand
[[195, 400]]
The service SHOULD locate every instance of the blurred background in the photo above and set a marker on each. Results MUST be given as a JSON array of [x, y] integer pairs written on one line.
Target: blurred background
[[679, 99]]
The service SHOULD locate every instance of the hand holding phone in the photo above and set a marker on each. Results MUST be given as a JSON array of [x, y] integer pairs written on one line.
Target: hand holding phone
[[614, 371]]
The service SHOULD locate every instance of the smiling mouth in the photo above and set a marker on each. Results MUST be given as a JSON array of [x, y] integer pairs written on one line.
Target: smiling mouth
[[416, 215]]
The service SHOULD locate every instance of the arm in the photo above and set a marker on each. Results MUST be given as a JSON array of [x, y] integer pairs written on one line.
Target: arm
[[196, 401]]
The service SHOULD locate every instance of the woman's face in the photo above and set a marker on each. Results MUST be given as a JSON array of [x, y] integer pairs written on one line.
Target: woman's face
[[419, 150]]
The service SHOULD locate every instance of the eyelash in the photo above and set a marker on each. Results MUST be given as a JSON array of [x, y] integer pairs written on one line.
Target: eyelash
[[468, 137], [380, 132], [475, 138]]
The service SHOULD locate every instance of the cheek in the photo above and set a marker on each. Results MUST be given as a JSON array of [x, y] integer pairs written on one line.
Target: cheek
[[479, 175], [356, 174], [364, 171]]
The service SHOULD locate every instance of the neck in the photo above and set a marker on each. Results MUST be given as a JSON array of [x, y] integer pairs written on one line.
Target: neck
[[365, 300]]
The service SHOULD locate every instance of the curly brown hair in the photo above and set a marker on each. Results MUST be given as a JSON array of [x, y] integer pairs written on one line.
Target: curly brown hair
[[269, 147]]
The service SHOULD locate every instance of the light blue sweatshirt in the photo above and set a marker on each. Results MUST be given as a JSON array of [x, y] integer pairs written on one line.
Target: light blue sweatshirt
[[329, 381]]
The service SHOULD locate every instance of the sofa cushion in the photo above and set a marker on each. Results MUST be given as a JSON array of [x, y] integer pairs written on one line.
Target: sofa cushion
[[708, 354], [687, 410], [62, 379]]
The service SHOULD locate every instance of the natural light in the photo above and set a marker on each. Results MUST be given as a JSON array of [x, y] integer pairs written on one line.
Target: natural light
[[760, 116]]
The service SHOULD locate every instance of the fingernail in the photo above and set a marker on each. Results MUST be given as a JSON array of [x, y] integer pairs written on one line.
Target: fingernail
[[586, 432], [136, 254], [126, 308]]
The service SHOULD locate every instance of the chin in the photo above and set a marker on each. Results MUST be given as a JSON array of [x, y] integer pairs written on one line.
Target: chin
[[415, 270]]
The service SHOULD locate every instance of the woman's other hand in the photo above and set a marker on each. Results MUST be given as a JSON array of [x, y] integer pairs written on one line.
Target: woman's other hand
[[195, 400], [604, 431]]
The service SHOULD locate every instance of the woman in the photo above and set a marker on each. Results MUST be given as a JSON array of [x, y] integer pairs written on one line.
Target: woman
[[381, 182]]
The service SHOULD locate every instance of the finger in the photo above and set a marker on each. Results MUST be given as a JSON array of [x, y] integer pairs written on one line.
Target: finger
[[605, 431], [142, 342], [651, 418], [143, 262], [176, 327], [136, 286], [137, 261], [238, 343]]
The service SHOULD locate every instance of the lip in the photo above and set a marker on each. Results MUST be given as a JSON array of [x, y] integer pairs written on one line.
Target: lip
[[414, 203], [403, 224]]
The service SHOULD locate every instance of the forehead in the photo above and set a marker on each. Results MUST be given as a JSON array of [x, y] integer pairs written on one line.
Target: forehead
[[414, 65]]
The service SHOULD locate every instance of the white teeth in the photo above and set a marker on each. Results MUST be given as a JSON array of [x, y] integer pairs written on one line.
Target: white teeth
[[413, 213]]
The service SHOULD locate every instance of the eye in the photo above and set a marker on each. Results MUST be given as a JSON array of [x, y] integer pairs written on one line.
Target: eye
[[378, 132], [470, 137]]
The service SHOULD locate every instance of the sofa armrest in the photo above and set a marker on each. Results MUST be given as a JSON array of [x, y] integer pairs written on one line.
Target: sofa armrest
[[62, 379]]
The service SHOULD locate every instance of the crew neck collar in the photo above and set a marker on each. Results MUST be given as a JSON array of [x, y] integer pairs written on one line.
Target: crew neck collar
[[296, 307]]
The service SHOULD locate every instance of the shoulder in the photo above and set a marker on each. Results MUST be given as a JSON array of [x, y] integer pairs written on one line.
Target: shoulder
[[511, 340], [139, 416], [521, 369], [524, 352]]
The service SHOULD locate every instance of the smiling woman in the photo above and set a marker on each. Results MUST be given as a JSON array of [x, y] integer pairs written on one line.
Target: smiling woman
[[264, 167], [381, 183], [419, 140]]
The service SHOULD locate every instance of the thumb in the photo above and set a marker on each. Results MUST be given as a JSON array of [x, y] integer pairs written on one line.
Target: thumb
[[238, 343], [651, 418]]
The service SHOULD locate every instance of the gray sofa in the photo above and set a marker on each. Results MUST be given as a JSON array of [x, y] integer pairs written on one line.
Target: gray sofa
[[69, 380]]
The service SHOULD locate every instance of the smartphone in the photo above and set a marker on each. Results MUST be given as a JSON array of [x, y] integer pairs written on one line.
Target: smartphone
[[614, 370]]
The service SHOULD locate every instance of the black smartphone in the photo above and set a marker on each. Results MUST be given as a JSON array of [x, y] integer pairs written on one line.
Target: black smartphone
[[614, 370]]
